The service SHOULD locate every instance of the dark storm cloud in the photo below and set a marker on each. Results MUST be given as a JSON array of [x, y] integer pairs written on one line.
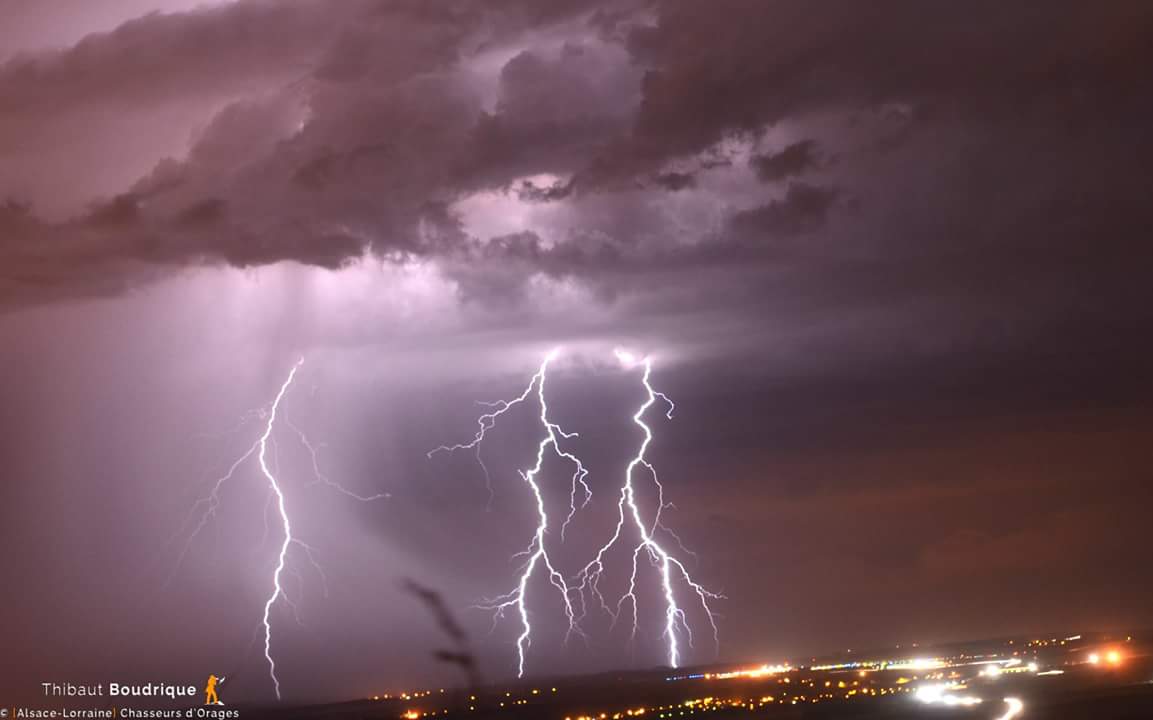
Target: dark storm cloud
[[767, 61], [674, 181], [349, 125], [794, 159], [89, 120], [233, 47], [553, 110], [341, 132], [803, 209], [530, 192]]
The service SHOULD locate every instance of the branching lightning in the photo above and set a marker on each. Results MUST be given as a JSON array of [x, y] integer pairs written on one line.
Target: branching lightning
[[670, 569], [488, 420], [265, 451], [210, 503], [537, 552], [323, 479], [673, 575]]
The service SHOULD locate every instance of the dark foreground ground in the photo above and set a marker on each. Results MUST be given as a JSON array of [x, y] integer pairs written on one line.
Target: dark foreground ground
[[1121, 702], [1055, 679]]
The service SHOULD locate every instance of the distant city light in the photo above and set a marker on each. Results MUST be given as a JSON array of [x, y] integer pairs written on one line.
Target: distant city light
[[947, 681], [756, 672]]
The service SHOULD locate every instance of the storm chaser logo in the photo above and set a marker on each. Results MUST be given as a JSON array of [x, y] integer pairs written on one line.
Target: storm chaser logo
[[210, 696]]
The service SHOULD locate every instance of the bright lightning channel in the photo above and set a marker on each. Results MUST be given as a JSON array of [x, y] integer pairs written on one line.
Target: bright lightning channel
[[536, 552], [669, 567], [277, 591], [211, 503]]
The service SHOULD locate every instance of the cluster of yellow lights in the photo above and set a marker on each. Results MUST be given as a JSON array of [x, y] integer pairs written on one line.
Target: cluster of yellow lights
[[756, 672], [691, 707], [809, 691], [415, 714], [518, 701], [415, 695], [875, 665], [632, 712], [1041, 642]]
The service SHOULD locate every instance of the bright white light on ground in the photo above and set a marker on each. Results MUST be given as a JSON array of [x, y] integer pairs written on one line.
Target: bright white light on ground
[[941, 694], [1015, 708]]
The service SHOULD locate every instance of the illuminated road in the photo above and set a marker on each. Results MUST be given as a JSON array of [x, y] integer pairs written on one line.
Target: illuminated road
[[1015, 708]]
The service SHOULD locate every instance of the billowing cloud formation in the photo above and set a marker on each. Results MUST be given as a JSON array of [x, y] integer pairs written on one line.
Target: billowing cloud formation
[[322, 133], [339, 129]]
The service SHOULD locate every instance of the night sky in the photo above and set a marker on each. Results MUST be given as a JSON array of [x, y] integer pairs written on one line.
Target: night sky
[[892, 260]]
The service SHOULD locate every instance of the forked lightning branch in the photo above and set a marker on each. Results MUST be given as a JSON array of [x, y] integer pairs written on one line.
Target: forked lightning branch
[[634, 521]]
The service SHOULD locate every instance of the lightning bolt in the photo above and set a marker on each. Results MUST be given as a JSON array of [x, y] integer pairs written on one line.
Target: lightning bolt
[[672, 572], [670, 569], [264, 448], [286, 525], [536, 553]]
